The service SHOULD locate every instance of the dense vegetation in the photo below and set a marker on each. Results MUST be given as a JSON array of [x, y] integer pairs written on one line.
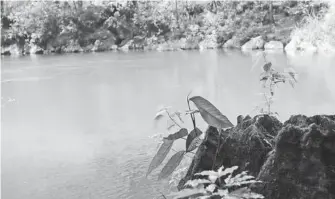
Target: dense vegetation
[[75, 26]]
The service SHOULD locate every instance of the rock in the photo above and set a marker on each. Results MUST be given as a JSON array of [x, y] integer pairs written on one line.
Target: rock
[[245, 145], [113, 47], [72, 47], [88, 48], [254, 43], [126, 45], [209, 42], [11, 50], [273, 45], [138, 42], [103, 45], [234, 42], [189, 43], [291, 46], [35, 49], [303, 160], [169, 46], [293, 160]]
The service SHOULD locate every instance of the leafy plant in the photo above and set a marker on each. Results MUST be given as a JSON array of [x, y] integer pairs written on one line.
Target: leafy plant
[[208, 112], [271, 79], [229, 188]]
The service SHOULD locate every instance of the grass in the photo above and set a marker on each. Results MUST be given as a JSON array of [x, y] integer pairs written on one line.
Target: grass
[[318, 31]]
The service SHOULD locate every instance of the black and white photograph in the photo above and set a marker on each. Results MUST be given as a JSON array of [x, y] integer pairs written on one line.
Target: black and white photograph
[[167, 99]]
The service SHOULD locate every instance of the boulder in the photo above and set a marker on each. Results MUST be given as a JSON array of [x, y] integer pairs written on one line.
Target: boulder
[[35, 49], [72, 47], [234, 42], [291, 46], [126, 45], [302, 162], [189, 43], [11, 50], [295, 159], [254, 43], [138, 42], [245, 145], [273, 45], [103, 45]]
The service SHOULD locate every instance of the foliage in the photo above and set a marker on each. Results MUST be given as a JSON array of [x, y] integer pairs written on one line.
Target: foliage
[[270, 78], [317, 30], [208, 112], [229, 188], [207, 23]]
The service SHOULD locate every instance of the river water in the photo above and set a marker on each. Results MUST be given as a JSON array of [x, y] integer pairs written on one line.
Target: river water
[[79, 125]]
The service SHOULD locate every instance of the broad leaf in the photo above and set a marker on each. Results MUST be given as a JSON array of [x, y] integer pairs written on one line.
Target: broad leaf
[[160, 155], [171, 165], [194, 144], [195, 133], [210, 113], [181, 133]]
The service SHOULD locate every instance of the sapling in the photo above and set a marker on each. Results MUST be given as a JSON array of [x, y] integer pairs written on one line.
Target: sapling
[[271, 79], [208, 112]]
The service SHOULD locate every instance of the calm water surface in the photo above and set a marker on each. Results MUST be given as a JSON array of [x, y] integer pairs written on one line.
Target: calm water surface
[[78, 125]]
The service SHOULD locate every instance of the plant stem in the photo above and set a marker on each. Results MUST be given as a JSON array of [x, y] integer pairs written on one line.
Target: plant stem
[[173, 119], [189, 108]]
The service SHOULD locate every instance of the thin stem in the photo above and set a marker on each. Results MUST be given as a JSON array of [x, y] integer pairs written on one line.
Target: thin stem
[[173, 119], [189, 107], [162, 195]]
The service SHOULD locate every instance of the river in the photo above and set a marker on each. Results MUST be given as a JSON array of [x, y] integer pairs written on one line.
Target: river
[[78, 126]]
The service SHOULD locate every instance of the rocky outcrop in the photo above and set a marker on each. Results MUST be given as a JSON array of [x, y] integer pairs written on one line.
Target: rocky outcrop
[[254, 43], [271, 45], [294, 160]]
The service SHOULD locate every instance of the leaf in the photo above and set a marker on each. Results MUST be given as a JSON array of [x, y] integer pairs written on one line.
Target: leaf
[[207, 173], [210, 113], [160, 155], [161, 112], [171, 165], [194, 144], [188, 193], [211, 188], [181, 133], [195, 133], [196, 182], [245, 193], [267, 67]]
